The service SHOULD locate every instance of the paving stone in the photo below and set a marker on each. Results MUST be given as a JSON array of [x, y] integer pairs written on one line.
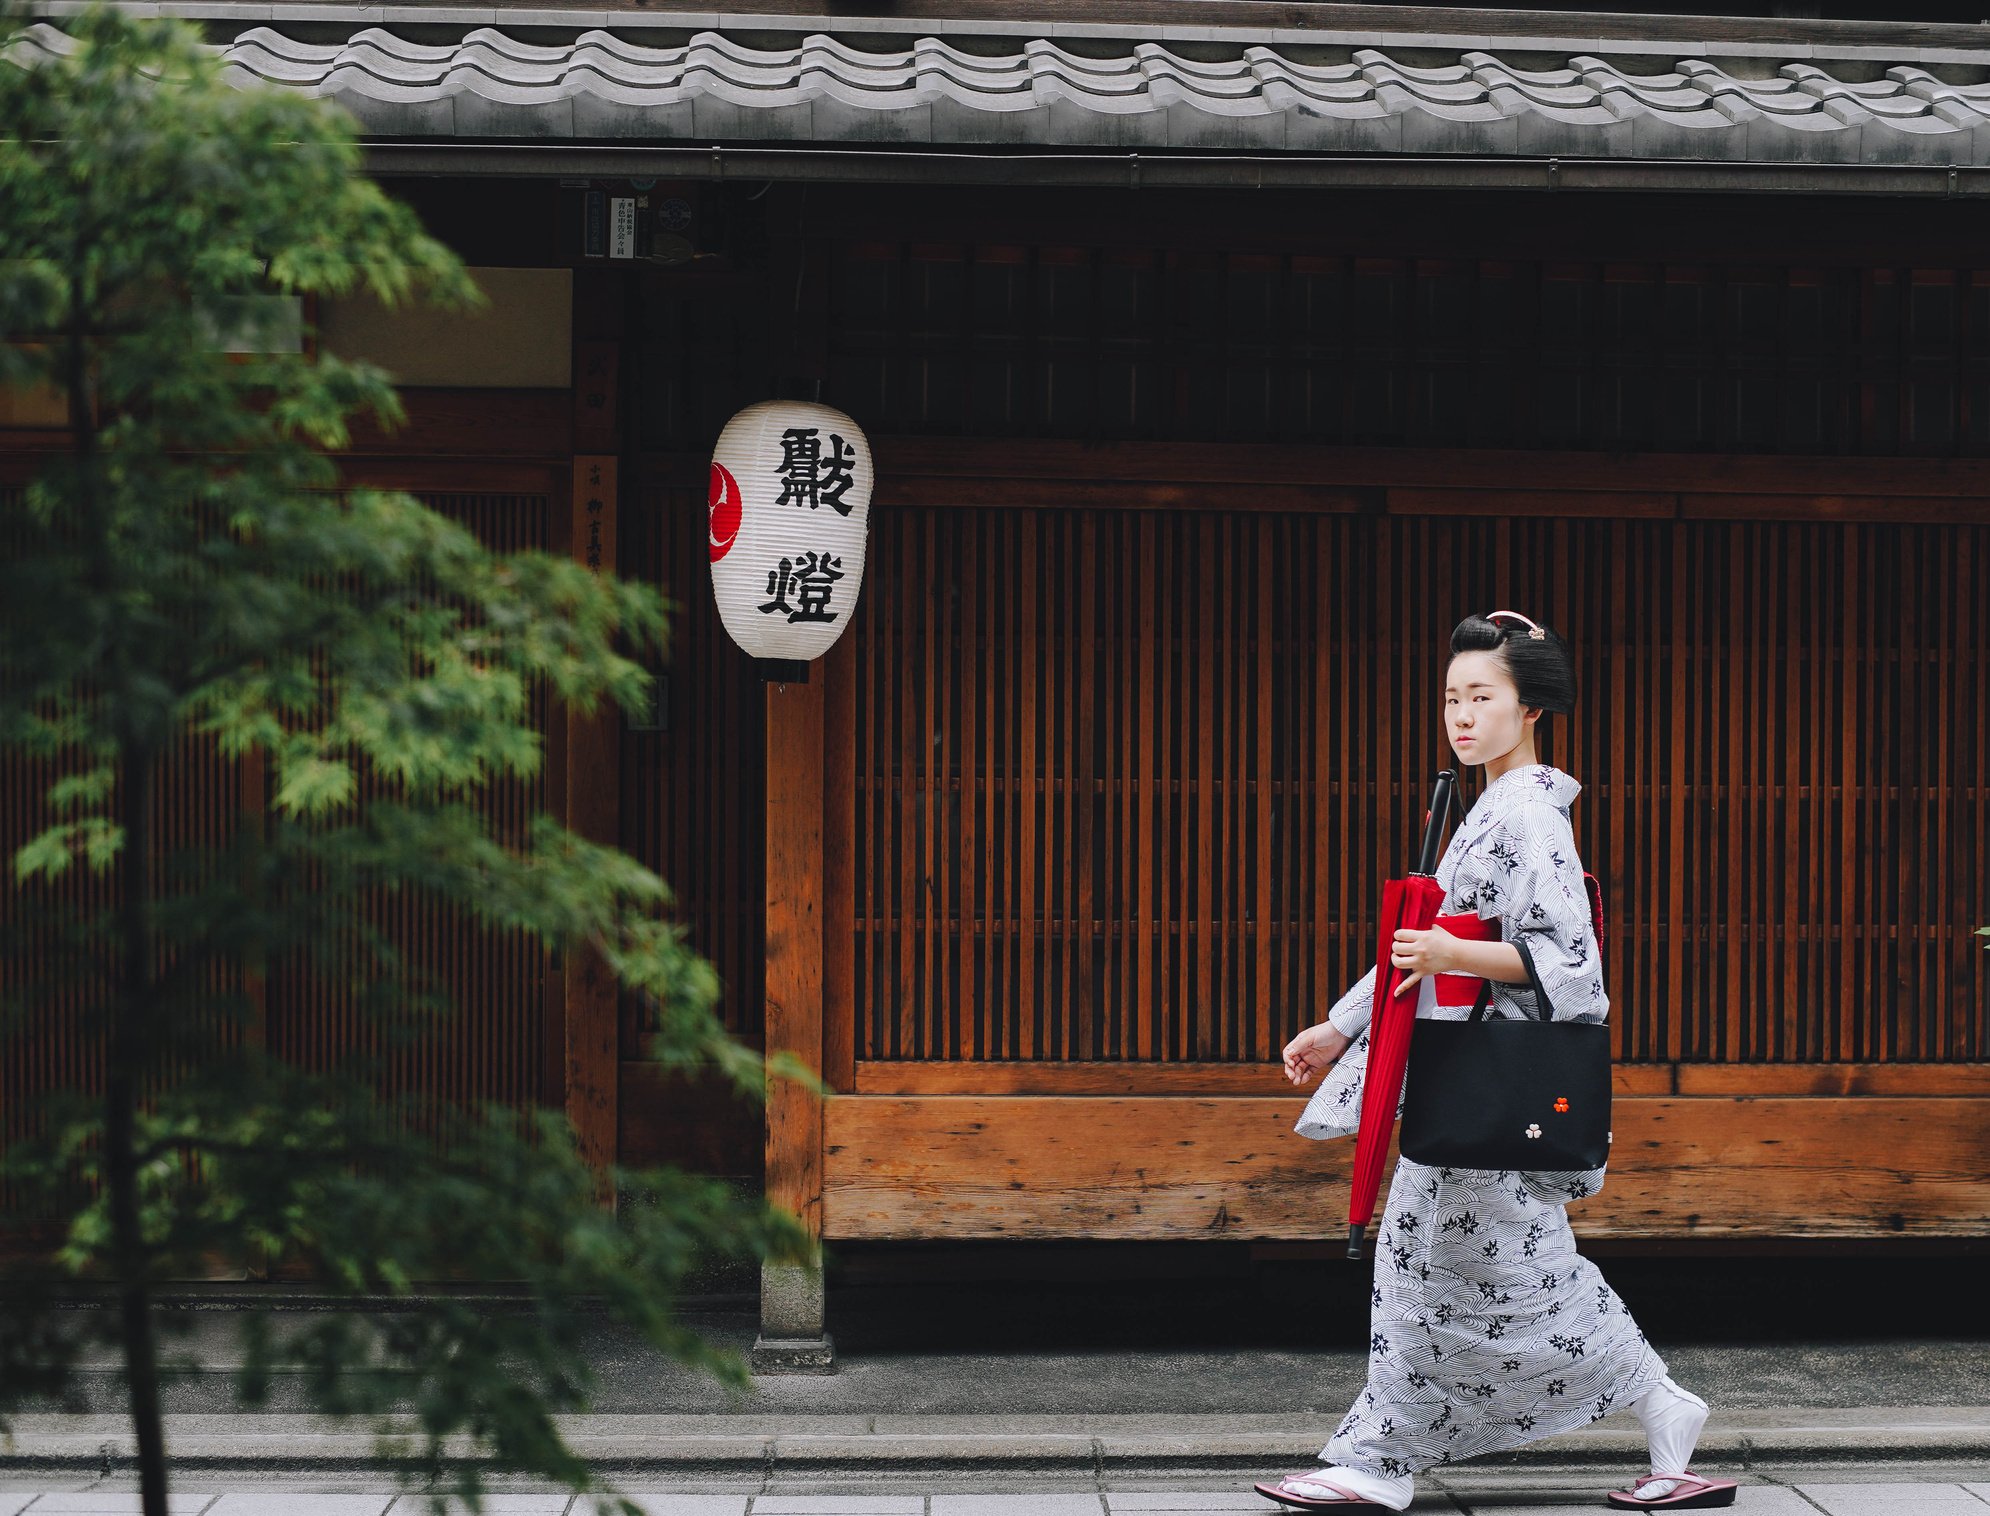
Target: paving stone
[[300, 1503], [1510, 1499], [117, 1503], [839, 1505], [674, 1503], [1185, 1500], [1045, 1504], [1893, 1499], [1881, 1489]]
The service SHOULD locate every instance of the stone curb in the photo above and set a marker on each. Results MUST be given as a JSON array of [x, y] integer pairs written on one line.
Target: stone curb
[[722, 1446]]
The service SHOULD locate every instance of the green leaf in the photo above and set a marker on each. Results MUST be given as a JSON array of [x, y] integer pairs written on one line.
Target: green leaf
[[48, 855]]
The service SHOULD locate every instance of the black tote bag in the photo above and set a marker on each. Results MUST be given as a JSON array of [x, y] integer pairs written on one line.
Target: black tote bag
[[1501, 1094]]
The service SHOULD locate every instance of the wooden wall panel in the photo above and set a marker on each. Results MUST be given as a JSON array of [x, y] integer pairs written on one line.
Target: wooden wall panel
[[690, 805], [1125, 782], [692, 794], [494, 1045], [1175, 1167], [1037, 326]]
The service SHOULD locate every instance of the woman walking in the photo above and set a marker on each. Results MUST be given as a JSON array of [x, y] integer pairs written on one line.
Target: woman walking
[[1487, 1328]]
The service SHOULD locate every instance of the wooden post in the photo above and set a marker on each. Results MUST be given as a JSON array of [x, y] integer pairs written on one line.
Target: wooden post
[[792, 1339], [593, 751], [591, 1026]]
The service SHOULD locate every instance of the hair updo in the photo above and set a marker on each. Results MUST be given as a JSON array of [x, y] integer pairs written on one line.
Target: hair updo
[[1540, 667]]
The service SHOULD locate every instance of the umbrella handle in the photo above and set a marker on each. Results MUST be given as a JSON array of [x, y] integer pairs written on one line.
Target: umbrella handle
[[1354, 1231], [1433, 832]]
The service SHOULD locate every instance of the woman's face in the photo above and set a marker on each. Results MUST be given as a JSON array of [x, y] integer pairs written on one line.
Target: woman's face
[[1482, 711]]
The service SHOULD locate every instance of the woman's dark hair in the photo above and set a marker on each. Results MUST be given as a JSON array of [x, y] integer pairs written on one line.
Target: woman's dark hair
[[1540, 667]]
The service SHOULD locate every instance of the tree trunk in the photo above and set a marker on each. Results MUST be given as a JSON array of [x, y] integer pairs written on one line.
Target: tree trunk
[[129, 1040], [131, 1007]]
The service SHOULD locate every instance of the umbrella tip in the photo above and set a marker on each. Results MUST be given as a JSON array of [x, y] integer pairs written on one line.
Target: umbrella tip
[[1354, 1231]]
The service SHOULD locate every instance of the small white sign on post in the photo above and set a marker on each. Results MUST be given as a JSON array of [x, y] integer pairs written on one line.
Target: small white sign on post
[[788, 510], [622, 228]]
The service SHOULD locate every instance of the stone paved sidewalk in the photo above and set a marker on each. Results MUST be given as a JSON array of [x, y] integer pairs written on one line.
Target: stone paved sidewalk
[[1933, 1491], [1099, 1448]]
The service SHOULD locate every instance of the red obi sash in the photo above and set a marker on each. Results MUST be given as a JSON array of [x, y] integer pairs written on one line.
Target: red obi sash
[[1463, 989]]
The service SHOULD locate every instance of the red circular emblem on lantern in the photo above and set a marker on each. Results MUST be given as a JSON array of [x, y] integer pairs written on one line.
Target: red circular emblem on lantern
[[724, 507]]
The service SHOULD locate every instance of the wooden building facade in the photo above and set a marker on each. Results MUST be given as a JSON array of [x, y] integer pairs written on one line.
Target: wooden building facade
[[1185, 472]]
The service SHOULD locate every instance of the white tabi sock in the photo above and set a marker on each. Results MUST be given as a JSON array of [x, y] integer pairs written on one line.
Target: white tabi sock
[[1672, 1419], [1396, 1494]]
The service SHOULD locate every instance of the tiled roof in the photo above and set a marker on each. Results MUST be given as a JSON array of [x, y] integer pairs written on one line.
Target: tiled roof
[[1035, 91]]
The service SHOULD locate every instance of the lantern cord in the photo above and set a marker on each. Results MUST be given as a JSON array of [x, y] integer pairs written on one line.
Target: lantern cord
[[801, 272], [801, 261]]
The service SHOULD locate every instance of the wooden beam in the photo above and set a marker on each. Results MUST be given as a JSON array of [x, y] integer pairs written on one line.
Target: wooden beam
[[1108, 493], [1899, 509], [1430, 467], [1247, 1080], [795, 940], [1616, 504], [1696, 227], [938, 472], [592, 763], [1129, 1167]]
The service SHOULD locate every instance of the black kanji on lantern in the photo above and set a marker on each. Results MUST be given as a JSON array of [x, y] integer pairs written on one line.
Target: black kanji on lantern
[[807, 477], [810, 581]]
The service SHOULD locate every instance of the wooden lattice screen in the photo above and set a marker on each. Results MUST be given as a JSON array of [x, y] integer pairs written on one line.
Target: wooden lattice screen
[[692, 794], [1126, 782], [495, 1045], [494, 1048]]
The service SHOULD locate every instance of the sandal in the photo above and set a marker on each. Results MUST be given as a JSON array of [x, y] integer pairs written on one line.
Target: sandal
[[1348, 1501], [1693, 1493]]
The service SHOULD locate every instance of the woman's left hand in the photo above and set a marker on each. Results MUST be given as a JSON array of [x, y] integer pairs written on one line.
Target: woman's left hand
[[1423, 953]]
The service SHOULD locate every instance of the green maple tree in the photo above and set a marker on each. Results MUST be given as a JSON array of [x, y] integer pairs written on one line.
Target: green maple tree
[[189, 569]]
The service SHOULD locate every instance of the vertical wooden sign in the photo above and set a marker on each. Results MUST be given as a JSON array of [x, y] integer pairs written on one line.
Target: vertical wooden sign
[[597, 402], [593, 1051], [594, 510]]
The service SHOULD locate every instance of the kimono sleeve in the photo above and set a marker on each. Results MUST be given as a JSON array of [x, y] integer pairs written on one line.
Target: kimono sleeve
[[1351, 1012], [1335, 1108], [1544, 912]]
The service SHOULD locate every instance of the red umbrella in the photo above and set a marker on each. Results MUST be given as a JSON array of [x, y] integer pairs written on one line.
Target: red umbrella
[[1407, 904]]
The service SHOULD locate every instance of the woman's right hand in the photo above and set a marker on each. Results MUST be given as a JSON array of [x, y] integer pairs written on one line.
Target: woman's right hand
[[1314, 1050]]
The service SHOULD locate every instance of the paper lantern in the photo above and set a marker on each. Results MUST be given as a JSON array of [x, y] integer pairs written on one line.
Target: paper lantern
[[789, 506]]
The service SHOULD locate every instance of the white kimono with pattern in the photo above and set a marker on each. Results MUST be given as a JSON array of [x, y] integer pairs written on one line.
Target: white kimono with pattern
[[1487, 1328]]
